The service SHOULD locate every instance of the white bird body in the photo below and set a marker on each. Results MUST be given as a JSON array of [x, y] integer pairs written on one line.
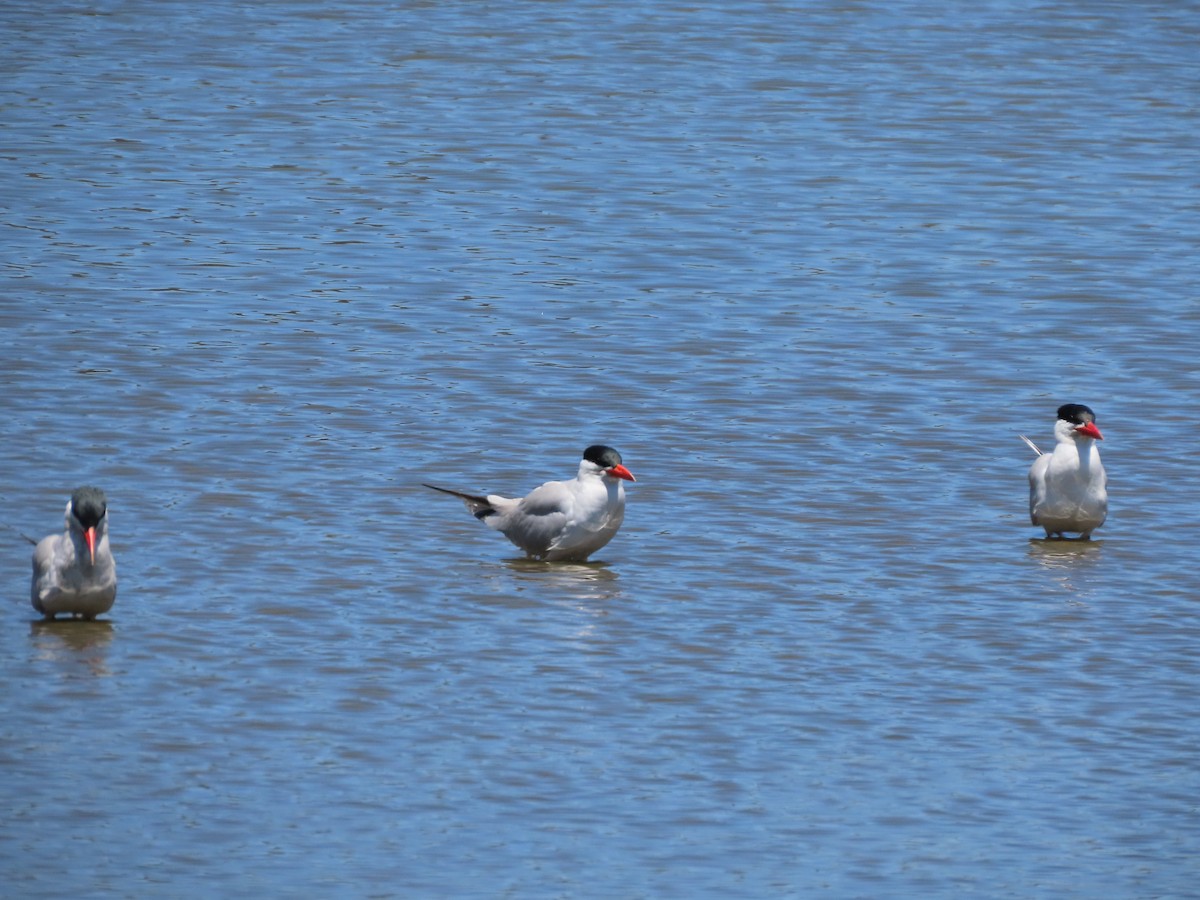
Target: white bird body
[[1068, 486], [74, 572], [561, 520]]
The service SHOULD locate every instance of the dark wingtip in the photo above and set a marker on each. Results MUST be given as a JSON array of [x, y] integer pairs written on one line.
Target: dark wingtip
[[486, 509]]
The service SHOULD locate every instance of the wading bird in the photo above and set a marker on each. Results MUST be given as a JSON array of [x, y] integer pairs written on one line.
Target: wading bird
[[1067, 487], [74, 572], [561, 520]]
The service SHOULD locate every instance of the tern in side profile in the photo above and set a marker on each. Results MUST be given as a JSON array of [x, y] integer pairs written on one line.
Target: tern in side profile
[[561, 520], [74, 572], [1067, 487]]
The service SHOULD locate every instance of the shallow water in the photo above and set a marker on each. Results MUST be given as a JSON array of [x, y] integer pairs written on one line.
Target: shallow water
[[810, 268]]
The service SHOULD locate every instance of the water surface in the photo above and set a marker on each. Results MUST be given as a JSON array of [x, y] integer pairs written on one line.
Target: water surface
[[810, 267]]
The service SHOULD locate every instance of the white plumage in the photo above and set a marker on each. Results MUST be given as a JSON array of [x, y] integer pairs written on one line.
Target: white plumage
[[1068, 486]]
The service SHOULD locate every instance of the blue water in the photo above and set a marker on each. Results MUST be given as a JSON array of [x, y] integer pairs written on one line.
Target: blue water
[[811, 268]]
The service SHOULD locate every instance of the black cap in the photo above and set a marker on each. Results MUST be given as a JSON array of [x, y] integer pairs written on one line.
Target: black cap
[[604, 457], [89, 505], [1076, 413]]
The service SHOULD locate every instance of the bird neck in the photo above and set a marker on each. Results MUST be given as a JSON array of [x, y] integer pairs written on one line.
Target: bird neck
[[1087, 453], [81, 548], [612, 487]]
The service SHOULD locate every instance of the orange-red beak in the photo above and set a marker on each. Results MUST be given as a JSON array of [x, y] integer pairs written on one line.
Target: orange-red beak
[[619, 471], [90, 537], [1090, 429]]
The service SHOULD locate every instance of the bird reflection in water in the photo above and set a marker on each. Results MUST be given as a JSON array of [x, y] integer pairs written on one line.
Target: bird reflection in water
[[583, 593], [579, 580], [1066, 560], [1060, 553], [73, 641]]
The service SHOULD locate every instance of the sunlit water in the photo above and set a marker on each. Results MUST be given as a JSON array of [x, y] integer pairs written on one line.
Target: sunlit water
[[810, 268]]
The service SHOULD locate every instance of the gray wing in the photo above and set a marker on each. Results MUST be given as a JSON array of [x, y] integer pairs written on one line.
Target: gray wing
[[537, 520], [45, 570], [1037, 485], [589, 536]]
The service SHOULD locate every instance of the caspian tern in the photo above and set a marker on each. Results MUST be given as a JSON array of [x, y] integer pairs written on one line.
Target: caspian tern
[[74, 572], [561, 520], [1067, 487]]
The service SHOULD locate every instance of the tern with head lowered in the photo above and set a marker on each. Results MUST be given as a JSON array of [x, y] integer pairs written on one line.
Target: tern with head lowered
[[74, 572], [1068, 486], [561, 520]]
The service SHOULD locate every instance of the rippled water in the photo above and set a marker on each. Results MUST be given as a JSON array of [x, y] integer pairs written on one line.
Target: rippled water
[[810, 267]]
